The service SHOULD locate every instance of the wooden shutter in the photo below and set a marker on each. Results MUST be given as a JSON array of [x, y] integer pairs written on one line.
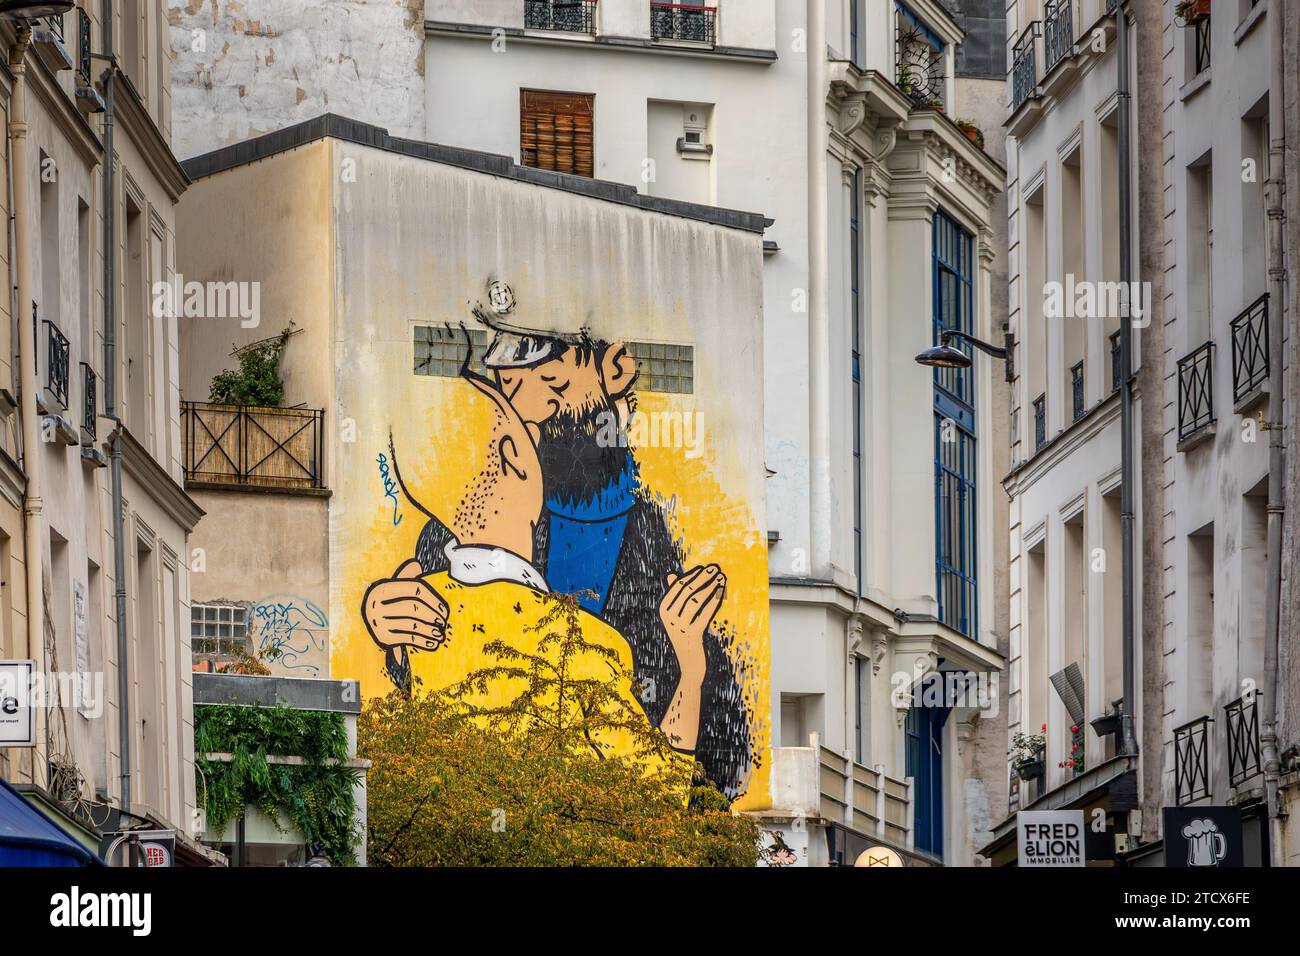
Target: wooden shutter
[[555, 131]]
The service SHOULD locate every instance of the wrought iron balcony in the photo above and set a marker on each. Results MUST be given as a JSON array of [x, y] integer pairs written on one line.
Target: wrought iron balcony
[[566, 16], [1192, 761], [1201, 28], [1058, 32], [1076, 390], [1024, 66], [56, 363], [89, 401], [1196, 391], [1250, 349], [920, 61], [1242, 717], [234, 445], [83, 45], [684, 21], [54, 24], [1040, 422], [1116, 363]]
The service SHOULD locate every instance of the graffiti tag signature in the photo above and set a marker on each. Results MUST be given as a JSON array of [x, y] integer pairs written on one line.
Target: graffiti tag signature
[[287, 628], [390, 486]]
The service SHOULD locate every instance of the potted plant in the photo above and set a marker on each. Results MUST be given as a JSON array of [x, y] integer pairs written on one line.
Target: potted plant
[[1026, 753], [973, 132], [1077, 760], [1190, 11], [936, 105]]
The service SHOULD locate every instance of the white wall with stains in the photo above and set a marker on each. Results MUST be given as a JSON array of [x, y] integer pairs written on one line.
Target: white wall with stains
[[248, 67]]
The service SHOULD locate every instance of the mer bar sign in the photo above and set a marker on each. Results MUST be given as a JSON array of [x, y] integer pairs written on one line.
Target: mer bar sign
[[1050, 837]]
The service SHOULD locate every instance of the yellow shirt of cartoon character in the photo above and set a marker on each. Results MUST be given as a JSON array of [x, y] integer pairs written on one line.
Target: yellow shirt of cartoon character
[[511, 613]]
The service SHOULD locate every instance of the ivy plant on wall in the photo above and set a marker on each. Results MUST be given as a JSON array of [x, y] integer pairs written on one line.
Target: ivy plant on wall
[[257, 381], [316, 797]]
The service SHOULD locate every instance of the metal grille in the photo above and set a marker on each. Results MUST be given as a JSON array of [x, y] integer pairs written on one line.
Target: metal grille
[[1040, 422], [89, 403], [684, 21], [1242, 718], [568, 16], [56, 365], [55, 25], [1192, 761], [664, 368], [1196, 391], [920, 62], [83, 44], [1250, 349], [1058, 32], [1116, 363], [1024, 68], [252, 445], [1076, 389], [1202, 39]]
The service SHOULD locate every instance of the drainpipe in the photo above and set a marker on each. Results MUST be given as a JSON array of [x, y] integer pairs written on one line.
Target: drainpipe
[[33, 559], [1128, 741], [819, 399], [110, 412], [1276, 447]]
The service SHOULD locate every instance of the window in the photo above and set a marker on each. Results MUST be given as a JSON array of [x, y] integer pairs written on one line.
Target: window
[[855, 321], [441, 351], [556, 131], [218, 628], [861, 679], [954, 433], [664, 368]]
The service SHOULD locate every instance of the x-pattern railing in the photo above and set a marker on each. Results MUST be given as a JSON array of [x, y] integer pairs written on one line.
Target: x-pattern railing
[[1242, 718], [238, 444], [1250, 348], [1196, 391], [1192, 761]]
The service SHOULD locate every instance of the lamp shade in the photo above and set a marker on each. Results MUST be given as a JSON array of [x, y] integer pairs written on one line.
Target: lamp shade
[[34, 9], [944, 356]]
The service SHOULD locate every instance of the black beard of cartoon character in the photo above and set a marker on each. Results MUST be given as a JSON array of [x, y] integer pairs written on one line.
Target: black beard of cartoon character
[[577, 457]]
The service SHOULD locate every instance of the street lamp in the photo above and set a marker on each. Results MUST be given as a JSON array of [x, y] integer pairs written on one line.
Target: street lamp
[[945, 355], [34, 9]]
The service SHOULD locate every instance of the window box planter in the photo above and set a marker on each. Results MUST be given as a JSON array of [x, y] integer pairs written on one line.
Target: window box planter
[[1030, 769], [1188, 12], [973, 132], [1106, 725]]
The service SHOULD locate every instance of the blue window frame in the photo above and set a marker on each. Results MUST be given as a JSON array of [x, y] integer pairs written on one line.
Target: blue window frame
[[955, 458], [924, 733], [855, 321]]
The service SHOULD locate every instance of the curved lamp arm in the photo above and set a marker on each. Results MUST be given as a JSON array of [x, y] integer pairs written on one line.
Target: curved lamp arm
[[1006, 352]]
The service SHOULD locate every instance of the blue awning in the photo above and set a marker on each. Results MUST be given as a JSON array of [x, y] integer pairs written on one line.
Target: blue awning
[[30, 838]]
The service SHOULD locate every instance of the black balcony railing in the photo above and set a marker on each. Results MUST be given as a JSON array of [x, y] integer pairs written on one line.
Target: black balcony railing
[[1250, 349], [1192, 761], [684, 21], [55, 25], [567, 16], [89, 401], [1076, 390], [1196, 391], [920, 61], [56, 363], [83, 45], [1116, 363], [253, 445], [1040, 422], [1058, 32], [1242, 718], [1024, 66], [1201, 37]]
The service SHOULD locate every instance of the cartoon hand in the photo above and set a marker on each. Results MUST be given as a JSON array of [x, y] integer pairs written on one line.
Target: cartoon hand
[[687, 610], [404, 611]]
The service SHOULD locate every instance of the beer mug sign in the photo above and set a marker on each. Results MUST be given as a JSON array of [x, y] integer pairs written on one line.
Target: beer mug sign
[[1206, 846]]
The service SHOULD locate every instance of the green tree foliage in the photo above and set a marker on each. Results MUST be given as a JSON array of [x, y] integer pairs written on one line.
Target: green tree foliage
[[316, 797], [257, 382], [532, 782]]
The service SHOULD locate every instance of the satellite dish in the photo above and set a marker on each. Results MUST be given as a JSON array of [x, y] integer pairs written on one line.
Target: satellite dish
[[878, 856]]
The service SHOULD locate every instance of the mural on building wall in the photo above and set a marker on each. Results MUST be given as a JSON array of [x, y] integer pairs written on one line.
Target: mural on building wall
[[289, 632], [559, 501]]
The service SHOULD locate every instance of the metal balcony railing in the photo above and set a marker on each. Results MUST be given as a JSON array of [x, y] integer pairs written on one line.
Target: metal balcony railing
[[1242, 718], [684, 21], [1024, 66], [253, 445], [1196, 391], [566, 16], [83, 45], [1201, 30], [89, 401], [1076, 390], [56, 363], [1116, 363], [920, 61], [1058, 32], [1040, 422], [1192, 761], [1250, 349]]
